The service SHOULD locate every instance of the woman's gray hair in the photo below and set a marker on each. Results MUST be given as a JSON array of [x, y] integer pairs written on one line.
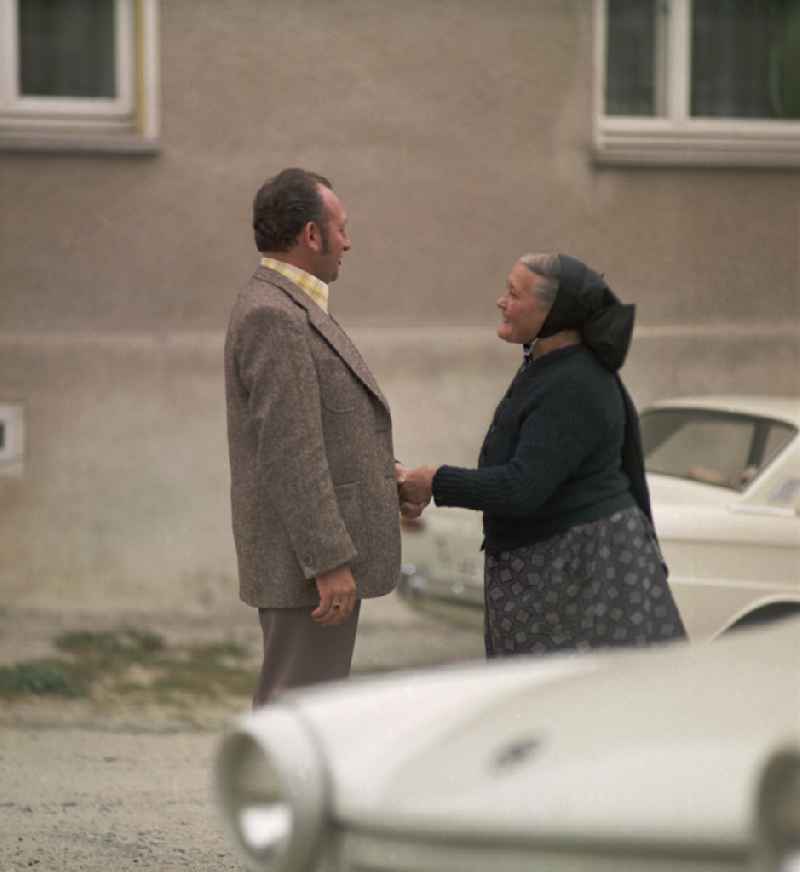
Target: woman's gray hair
[[547, 267]]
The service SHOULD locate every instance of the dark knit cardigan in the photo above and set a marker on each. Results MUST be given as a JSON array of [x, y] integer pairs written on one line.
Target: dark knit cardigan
[[552, 456]]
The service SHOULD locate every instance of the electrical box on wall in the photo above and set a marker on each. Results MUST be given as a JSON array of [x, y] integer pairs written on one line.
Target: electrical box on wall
[[12, 439]]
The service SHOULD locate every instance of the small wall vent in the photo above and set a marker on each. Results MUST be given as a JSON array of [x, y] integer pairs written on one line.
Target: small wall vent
[[12, 439]]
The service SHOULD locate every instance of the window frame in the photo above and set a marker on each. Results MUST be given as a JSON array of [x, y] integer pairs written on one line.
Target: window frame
[[677, 138], [127, 123]]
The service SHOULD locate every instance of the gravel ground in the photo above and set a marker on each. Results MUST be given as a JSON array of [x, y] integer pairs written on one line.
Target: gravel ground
[[106, 784], [86, 799]]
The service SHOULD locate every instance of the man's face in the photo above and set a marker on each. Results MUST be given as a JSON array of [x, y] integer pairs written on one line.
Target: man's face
[[335, 239], [522, 312]]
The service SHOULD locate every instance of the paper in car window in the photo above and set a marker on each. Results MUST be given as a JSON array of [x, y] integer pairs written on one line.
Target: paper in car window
[[786, 492]]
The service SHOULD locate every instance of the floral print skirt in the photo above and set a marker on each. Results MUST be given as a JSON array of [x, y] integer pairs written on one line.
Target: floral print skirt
[[596, 585]]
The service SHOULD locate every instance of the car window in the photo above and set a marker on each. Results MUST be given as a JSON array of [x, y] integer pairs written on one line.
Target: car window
[[778, 437], [701, 446]]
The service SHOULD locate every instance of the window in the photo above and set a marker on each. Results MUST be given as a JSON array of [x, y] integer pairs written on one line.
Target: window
[[12, 439], [719, 448], [78, 74], [707, 448], [698, 82], [776, 439]]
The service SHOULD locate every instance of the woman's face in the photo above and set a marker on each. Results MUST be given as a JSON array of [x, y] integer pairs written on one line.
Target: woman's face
[[521, 310]]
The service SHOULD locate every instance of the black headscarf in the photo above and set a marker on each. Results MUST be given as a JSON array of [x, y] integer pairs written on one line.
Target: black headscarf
[[584, 302]]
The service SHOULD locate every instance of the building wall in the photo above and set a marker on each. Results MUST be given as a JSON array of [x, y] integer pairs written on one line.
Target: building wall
[[457, 133], [458, 138], [125, 476]]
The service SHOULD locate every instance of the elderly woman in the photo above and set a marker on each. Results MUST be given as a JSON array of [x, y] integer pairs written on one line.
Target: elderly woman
[[572, 560]]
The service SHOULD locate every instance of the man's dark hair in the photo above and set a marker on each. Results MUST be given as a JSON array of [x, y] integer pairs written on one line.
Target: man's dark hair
[[284, 205]]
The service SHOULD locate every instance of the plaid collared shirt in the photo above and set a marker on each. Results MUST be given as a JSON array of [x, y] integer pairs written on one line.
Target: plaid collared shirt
[[316, 289]]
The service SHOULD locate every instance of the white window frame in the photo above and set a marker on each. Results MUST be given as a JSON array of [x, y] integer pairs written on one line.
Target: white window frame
[[128, 122], [676, 138]]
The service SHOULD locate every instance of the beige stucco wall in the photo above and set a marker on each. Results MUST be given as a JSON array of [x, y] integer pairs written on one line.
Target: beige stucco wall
[[458, 134], [125, 471]]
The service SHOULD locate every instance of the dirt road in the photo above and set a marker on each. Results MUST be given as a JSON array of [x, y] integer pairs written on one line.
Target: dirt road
[[120, 779]]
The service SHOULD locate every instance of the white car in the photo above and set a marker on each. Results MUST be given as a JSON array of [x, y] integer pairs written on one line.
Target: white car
[[724, 476], [684, 758]]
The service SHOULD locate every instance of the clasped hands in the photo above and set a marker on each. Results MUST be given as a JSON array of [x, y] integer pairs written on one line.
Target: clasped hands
[[337, 588], [414, 488]]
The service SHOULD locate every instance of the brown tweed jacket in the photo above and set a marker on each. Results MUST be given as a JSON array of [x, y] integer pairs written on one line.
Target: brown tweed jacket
[[311, 458]]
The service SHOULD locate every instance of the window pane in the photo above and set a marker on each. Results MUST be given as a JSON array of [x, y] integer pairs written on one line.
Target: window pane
[[704, 447], [67, 48], [779, 436], [631, 57], [746, 58]]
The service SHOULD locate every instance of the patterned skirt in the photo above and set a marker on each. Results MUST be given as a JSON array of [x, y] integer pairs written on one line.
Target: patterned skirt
[[596, 585]]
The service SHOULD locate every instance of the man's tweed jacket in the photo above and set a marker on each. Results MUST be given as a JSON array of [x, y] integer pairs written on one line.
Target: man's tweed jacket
[[312, 464]]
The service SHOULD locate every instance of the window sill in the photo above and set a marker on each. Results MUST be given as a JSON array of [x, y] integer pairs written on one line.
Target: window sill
[[682, 149], [79, 143]]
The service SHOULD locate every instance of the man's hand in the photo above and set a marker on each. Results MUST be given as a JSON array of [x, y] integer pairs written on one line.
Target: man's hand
[[416, 486], [410, 511], [337, 596]]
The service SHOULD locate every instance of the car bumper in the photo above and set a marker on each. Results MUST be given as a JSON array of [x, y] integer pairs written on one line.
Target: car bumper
[[451, 597]]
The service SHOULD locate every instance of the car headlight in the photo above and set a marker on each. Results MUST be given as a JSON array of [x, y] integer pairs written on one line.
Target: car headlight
[[271, 782], [778, 812]]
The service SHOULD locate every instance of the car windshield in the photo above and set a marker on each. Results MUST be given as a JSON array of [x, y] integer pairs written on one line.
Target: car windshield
[[719, 448]]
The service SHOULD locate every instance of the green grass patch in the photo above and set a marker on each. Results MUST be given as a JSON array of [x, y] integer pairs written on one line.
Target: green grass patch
[[134, 664], [126, 644], [41, 678]]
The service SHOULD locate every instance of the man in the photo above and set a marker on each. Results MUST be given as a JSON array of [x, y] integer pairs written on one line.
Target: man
[[313, 492]]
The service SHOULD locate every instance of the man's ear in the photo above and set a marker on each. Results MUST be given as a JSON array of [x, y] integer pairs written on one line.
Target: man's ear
[[311, 236]]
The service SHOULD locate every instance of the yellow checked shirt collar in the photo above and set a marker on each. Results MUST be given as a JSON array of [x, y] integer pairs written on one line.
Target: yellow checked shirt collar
[[316, 289]]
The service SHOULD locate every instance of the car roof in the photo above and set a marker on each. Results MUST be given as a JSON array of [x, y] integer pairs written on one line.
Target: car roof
[[782, 408]]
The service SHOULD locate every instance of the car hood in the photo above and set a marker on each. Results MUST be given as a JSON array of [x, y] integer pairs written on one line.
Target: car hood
[[663, 744]]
